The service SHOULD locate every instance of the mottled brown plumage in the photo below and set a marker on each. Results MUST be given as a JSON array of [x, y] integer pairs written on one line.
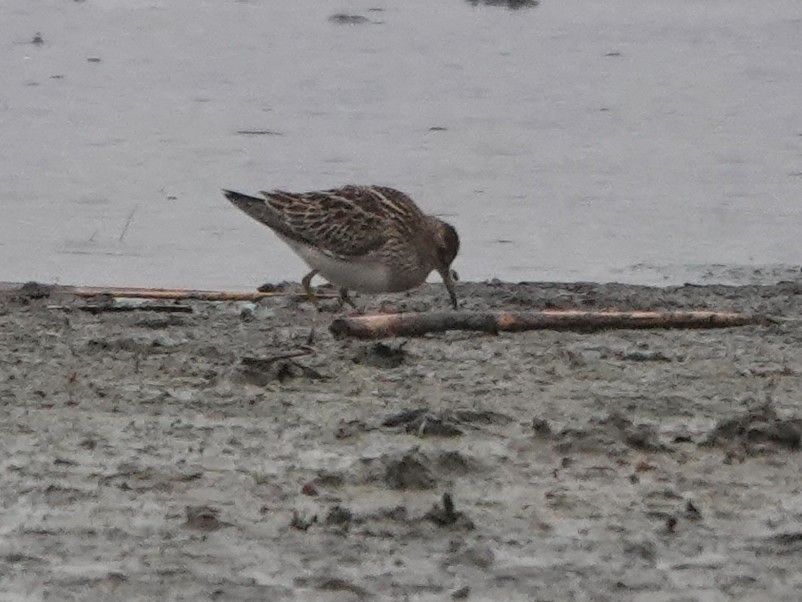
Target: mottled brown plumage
[[366, 238]]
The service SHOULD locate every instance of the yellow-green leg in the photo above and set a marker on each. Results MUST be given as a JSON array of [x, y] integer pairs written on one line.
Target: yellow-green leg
[[307, 284]]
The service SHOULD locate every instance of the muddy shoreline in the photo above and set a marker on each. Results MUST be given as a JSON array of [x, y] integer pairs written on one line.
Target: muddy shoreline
[[152, 456]]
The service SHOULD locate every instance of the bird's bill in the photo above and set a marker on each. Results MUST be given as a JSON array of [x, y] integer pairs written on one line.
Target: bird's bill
[[447, 275]]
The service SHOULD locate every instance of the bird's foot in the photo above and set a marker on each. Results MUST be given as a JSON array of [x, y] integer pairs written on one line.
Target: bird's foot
[[345, 299]]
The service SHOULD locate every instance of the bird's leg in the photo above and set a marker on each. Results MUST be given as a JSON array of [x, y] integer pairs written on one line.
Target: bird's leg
[[448, 276], [345, 298], [307, 284]]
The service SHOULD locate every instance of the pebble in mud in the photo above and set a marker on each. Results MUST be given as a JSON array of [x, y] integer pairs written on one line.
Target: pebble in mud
[[692, 512], [275, 287], [339, 517], [462, 593], [541, 427], [302, 522], [446, 515], [247, 311], [34, 290]]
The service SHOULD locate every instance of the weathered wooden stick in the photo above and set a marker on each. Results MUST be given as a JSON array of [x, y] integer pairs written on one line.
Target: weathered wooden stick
[[376, 326], [165, 293], [157, 293], [169, 309], [99, 309]]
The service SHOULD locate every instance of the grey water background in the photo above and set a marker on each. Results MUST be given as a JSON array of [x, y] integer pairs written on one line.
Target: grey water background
[[637, 141]]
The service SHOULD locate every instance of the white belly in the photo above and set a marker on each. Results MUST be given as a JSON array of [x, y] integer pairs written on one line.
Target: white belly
[[363, 276]]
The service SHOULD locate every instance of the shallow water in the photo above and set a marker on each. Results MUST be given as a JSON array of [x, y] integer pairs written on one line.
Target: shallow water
[[632, 140]]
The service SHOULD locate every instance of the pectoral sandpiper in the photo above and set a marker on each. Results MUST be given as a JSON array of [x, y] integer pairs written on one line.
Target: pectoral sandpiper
[[371, 239]]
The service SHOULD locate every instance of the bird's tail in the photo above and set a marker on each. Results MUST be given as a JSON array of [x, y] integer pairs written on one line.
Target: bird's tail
[[257, 208], [243, 201]]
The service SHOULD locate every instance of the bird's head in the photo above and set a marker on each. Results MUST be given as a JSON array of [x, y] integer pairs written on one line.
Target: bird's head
[[446, 247], [447, 241]]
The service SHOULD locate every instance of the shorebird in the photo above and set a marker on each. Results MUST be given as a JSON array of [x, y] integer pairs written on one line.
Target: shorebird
[[371, 239]]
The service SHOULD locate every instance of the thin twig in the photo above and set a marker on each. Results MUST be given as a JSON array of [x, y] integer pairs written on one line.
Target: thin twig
[[161, 293], [128, 222], [99, 309]]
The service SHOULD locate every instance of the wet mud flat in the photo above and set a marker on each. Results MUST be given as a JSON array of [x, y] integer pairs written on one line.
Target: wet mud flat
[[221, 452]]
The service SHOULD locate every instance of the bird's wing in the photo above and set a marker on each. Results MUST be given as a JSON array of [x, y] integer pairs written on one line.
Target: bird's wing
[[347, 222]]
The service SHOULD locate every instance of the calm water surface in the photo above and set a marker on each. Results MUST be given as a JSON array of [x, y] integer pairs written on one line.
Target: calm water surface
[[628, 140]]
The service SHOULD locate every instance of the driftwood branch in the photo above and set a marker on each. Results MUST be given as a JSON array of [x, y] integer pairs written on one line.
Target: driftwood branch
[[376, 326]]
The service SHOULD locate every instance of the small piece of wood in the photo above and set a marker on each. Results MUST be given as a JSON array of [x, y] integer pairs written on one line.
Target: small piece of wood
[[111, 308], [376, 326], [155, 293], [160, 293]]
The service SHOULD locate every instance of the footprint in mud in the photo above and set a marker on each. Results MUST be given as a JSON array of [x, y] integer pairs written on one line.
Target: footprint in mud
[[422, 422], [381, 355], [203, 518], [409, 472], [612, 434], [262, 371], [758, 430]]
